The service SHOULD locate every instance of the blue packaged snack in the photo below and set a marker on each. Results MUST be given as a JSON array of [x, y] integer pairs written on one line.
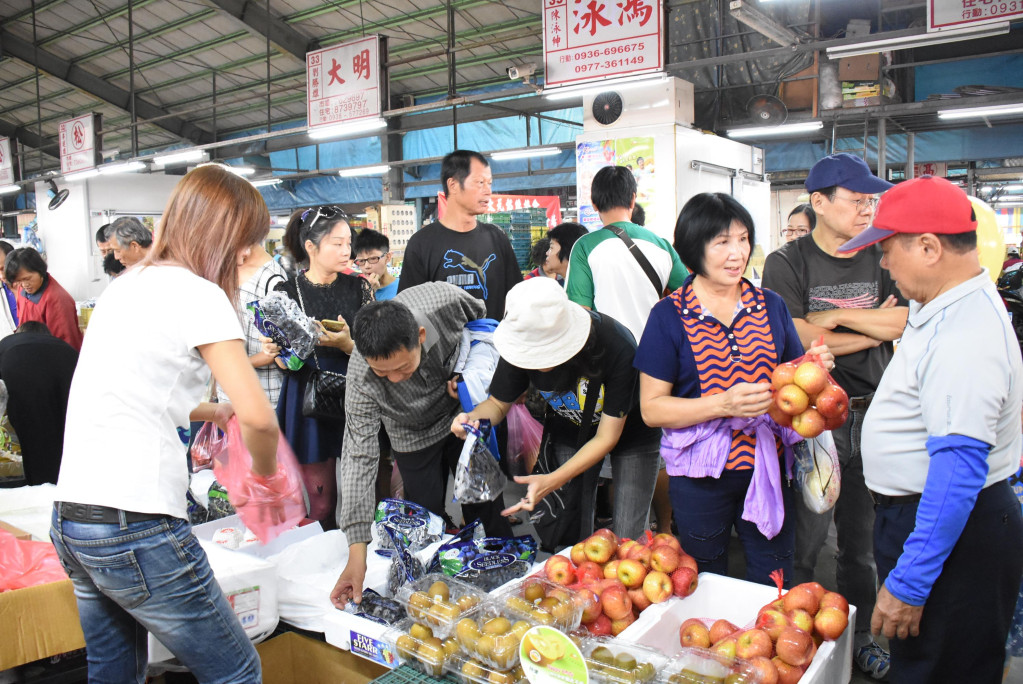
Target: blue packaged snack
[[377, 608], [405, 567], [485, 562], [418, 526], [268, 328]]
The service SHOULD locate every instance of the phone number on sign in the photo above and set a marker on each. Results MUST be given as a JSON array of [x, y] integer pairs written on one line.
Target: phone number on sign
[[1002, 8], [609, 51], [608, 64]]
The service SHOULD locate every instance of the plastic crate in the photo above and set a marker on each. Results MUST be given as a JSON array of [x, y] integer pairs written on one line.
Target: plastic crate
[[406, 675]]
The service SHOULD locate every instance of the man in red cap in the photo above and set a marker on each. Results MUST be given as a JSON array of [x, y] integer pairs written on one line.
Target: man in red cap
[[940, 440]]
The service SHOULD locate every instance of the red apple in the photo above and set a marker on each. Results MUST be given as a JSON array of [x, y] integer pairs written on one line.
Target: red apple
[[611, 569], [684, 581], [773, 605], [773, 622], [836, 422], [801, 597], [809, 423], [753, 643], [791, 399], [816, 587], [833, 599], [591, 604], [607, 534], [640, 553], [664, 558], [578, 555], [693, 633], [640, 602], [616, 602], [599, 586], [668, 539], [657, 586], [725, 647], [687, 561], [623, 548], [794, 646], [588, 572], [765, 669], [810, 377], [631, 573], [599, 549], [779, 416], [560, 569], [832, 401], [830, 623], [618, 626], [601, 626], [783, 374], [801, 619], [787, 674], [720, 629]]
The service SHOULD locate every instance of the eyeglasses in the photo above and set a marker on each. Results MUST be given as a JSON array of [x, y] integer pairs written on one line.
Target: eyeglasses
[[327, 211], [369, 260], [797, 232], [862, 203]]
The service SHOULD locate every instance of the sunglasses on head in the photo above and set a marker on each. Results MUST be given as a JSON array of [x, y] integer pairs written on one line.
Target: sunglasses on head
[[311, 216]]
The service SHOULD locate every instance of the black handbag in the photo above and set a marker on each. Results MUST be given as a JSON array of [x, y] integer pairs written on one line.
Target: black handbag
[[324, 394]]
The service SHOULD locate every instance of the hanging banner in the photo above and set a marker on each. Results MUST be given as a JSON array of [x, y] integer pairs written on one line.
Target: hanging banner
[[947, 14], [6, 162], [343, 82], [635, 154], [78, 144], [593, 40], [503, 203]]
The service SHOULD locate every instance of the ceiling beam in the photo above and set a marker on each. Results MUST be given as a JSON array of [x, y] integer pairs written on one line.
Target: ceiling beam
[[254, 15], [13, 46], [29, 139]]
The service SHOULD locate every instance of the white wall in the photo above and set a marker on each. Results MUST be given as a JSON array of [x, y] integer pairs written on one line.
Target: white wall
[[68, 232]]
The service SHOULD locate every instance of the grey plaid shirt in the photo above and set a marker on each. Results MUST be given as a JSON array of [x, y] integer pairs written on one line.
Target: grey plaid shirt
[[416, 413]]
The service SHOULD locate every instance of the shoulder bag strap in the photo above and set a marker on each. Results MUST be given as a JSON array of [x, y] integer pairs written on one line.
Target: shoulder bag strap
[[640, 258], [590, 405], [301, 303]]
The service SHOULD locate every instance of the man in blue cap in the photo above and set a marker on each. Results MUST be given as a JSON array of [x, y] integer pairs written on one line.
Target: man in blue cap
[[940, 442], [850, 301]]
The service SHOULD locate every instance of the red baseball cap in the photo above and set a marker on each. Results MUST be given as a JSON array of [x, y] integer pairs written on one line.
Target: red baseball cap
[[921, 205]]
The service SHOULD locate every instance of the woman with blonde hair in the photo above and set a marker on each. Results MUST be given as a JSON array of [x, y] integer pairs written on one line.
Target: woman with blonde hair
[[119, 524]]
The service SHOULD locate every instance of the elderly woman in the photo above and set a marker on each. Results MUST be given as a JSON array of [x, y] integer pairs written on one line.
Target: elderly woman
[[42, 298], [705, 363]]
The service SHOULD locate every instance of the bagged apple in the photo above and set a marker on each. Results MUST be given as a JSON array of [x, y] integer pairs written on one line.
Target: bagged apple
[[806, 398], [817, 472]]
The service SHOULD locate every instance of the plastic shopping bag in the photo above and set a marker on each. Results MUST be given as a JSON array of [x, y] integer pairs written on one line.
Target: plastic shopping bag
[[27, 563], [806, 398], [524, 434], [207, 445], [818, 474], [478, 478], [267, 505]]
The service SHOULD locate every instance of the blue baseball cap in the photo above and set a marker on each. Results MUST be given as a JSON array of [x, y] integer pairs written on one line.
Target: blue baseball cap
[[847, 171]]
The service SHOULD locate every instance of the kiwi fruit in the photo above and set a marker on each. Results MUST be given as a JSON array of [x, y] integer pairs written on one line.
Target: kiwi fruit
[[439, 591], [625, 661], [497, 625], [602, 654], [420, 632]]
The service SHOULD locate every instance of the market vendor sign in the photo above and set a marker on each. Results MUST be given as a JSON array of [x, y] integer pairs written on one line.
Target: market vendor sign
[[343, 83], [508, 203], [593, 40], [949, 14], [78, 143]]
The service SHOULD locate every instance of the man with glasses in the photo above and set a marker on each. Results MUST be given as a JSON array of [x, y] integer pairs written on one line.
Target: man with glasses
[[372, 256], [850, 301]]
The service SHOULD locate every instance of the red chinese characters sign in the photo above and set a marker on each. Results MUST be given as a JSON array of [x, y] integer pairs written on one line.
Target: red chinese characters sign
[[591, 40], [343, 82], [947, 14], [78, 144]]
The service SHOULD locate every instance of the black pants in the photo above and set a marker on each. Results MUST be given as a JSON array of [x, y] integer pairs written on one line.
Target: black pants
[[967, 615], [425, 477]]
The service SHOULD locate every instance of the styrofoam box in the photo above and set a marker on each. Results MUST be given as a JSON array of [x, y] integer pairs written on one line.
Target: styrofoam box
[[719, 597], [206, 531]]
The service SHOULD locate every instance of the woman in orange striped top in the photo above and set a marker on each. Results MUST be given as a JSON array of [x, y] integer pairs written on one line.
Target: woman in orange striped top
[[705, 362]]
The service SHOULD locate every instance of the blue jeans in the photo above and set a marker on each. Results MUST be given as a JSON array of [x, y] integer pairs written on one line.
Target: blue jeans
[[705, 511], [151, 576], [856, 578]]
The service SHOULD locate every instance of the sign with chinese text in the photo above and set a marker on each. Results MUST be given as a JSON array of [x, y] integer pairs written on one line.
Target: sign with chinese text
[[78, 144], [948, 14], [343, 82], [508, 203], [592, 40], [938, 169], [6, 162]]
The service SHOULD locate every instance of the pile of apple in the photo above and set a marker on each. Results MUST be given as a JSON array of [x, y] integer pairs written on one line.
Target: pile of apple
[[807, 399], [785, 637], [617, 581]]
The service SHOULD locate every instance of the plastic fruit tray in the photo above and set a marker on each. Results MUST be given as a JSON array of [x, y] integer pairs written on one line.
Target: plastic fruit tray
[[541, 601], [492, 637], [417, 646], [618, 663], [440, 601]]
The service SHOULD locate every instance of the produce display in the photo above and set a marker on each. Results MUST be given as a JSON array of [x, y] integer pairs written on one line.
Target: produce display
[[439, 601], [806, 398], [417, 526], [619, 663], [492, 638], [542, 602], [699, 666], [485, 562]]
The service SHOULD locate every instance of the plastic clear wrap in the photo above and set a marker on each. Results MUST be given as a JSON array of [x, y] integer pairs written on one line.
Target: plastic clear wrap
[[267, 505], [524, 435], [478, 477], [485, 562], [418, 527], [209, 442], [817, 472], [405, 567], [377, 608], [280, 318]]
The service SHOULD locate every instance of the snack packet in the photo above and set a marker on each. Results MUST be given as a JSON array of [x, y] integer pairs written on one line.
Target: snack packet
[[417, 526], [280, 318], [485, 562]]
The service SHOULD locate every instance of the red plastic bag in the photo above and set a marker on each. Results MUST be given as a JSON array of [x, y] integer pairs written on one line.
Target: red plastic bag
[[806, 398], [267, 505], [27, 563], [524, 434], [207, 445]]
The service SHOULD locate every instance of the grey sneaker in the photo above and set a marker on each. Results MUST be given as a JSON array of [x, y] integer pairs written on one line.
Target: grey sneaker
[[873, 660]]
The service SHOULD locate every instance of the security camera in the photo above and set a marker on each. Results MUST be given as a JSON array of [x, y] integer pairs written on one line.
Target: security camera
[[523, 71]]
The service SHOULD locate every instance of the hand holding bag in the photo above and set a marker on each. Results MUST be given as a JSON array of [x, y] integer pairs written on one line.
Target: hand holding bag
[[324, 395]]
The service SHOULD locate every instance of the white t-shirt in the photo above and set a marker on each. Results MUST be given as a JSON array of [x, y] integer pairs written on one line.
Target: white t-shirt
[[957, 371], [138, 378]]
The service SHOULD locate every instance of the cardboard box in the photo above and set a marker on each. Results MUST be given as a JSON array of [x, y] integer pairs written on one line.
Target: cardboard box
[[39, 622], [719, 597], [362, 637], [860, 68], [294, 659], [17, 532]]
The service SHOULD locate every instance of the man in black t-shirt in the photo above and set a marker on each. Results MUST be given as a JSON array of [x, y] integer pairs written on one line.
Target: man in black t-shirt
[[457, 249], [850, 301]]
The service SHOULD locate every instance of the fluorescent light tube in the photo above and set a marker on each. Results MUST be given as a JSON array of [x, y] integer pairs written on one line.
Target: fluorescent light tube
[[266, 182], [524, 153], [181, 157], [917, 40], [980, 112], [81, 175], [240, 170], [8, 189], [123, 167], [364, 171], [583, 89], [783, 129], [345, 129]]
